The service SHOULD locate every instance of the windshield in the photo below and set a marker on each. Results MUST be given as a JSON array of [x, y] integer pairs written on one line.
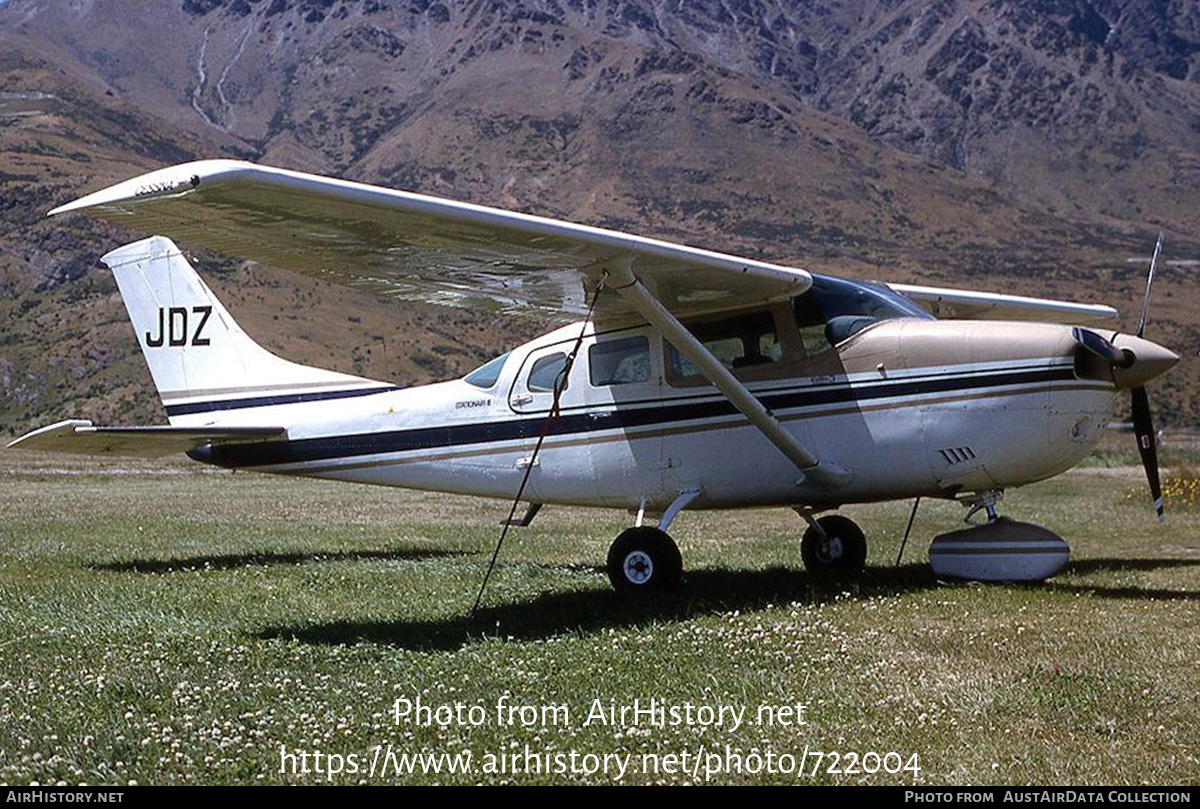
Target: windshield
[[835, 309], [836, 297]]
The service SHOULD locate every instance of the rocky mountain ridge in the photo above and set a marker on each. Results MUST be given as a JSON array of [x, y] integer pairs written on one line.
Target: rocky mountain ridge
[[1002, 144]]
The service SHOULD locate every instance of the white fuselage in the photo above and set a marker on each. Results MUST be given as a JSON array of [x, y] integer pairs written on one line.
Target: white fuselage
[[909, 407]]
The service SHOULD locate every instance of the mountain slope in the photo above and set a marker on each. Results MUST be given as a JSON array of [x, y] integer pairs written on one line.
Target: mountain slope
[[971, 143]]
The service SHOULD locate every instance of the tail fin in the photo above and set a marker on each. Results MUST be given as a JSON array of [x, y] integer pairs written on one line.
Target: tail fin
[[201, 360]]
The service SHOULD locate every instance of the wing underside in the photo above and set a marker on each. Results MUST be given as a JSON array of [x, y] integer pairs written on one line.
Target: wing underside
[[424, 248]]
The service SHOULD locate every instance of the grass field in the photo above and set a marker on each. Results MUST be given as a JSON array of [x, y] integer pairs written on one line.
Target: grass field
[[166, 623]]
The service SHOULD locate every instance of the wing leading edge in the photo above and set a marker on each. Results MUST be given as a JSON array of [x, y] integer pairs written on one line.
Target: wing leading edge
[[424, 248]]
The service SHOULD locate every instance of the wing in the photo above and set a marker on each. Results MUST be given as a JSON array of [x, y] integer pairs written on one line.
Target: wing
[[421, 247], [964, 304], [80, 436]]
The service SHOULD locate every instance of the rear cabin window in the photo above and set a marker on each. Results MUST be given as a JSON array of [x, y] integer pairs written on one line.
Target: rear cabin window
[[619, 362]]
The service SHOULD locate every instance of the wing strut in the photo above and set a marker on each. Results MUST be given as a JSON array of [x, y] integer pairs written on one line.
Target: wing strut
[[621, 279]]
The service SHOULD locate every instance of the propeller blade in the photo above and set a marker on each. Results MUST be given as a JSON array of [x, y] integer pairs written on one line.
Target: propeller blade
[[1143, 429], [1149, 282]]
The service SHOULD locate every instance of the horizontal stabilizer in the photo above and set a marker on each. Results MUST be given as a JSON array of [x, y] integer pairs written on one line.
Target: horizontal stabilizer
[[82, 437]]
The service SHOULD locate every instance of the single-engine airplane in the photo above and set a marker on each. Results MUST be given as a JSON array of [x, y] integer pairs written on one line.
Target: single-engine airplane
[[689, 379]]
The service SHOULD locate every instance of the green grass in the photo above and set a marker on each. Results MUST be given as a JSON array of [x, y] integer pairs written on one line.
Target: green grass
[[1118, 448], [164, 623]]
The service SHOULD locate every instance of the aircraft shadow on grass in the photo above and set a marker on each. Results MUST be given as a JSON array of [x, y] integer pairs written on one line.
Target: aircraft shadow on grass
[[266, 558], [1112, 565], [706, 592], [581, 612], [1086, 566]]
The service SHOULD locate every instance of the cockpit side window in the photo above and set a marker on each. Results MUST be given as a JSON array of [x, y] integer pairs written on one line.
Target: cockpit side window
[[742, 341], [755, 345], [545, 373]]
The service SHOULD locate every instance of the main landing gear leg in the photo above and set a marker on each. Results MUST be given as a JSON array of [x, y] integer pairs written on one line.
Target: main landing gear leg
[[645, 559], [833, 547]]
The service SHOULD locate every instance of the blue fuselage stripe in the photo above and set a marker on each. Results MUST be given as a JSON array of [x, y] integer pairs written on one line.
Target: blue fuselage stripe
[[267, 401], [604, 418]]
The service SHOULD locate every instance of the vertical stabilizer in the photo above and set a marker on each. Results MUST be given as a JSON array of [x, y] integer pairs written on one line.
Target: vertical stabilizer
[[204, 366]]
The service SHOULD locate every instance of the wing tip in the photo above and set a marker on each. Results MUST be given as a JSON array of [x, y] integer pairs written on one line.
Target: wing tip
[[168, 181]]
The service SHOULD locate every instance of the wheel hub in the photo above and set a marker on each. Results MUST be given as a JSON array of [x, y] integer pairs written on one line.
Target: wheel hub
[[638, 567], [830, 549], [833, 547]]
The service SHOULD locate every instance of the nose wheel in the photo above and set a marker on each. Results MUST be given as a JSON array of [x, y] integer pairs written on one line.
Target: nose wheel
[[644, 560], [833, 547]]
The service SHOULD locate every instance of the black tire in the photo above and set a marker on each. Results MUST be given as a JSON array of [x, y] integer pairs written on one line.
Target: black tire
[[644, 560], [842, 556]]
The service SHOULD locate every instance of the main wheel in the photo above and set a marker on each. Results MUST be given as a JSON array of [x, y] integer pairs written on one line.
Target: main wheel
[[841, 553], [643, 560]]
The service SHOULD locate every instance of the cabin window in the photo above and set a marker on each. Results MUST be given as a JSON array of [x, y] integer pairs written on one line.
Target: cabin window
[[744, 341], [545, 372], [619, 362], [485, 376]]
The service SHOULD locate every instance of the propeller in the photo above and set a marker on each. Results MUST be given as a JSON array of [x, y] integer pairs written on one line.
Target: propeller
[[1143, 425], [1149, 281], [1143, 429], [1152, 360]]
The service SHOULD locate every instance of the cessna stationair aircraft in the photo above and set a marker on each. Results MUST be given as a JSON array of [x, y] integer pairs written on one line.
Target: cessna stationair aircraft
[[688, 379]]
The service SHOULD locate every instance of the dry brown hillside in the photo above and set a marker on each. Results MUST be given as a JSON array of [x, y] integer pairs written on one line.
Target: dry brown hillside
[[979, 144]]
